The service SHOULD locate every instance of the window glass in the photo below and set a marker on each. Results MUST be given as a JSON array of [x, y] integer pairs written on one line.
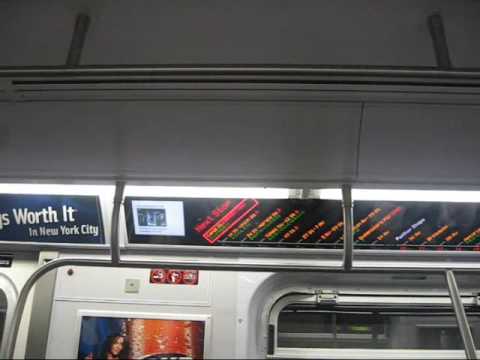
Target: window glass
[[368, 327]]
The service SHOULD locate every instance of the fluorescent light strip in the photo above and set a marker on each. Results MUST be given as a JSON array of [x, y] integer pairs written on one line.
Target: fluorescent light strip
[[238, 192], [329, 194], [132, 190], [404, 195], [207, 192], [58, 189]]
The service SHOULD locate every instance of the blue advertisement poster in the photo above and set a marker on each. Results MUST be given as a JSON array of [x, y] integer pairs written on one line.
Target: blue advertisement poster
[[59, 219]]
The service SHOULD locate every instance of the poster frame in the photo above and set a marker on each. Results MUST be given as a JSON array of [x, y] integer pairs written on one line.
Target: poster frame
[[206, 318], [104, 214]]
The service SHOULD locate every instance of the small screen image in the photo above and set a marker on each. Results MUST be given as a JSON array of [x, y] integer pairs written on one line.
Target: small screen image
[[162, 217], [152, 217], [134, 338]]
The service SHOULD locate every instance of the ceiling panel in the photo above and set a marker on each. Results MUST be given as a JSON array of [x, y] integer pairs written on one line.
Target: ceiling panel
[[343, 32]]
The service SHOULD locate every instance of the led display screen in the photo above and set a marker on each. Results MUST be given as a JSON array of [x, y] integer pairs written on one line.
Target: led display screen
[[417, 225], [303, 223], [309, 223]]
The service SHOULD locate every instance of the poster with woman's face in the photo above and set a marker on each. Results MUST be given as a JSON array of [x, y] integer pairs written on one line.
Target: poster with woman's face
[[133, 338]]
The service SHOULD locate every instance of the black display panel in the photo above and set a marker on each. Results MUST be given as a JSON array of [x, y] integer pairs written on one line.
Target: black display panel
[[295, 223], [303, 223], [417, 225]]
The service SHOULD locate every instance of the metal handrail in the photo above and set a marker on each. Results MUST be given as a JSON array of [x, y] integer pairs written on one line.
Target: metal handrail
[[114, 241], [460, 315], [347, 207], [115, 261]]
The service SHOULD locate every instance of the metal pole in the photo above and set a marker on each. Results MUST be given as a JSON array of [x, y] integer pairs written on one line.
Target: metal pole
[[347, 207], [114, 240], [462, 320], [440, 46], [82, 23]]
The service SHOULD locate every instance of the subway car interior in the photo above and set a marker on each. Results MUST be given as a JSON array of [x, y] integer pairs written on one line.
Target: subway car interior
[[280, 179]]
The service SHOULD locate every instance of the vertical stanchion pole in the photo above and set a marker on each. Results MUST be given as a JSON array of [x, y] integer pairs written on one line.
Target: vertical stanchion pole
[[462, 320], [347, 207], [114, 240]]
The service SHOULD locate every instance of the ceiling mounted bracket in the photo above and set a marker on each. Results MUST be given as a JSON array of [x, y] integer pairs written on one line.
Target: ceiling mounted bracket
[[80, 30], [440, 45]]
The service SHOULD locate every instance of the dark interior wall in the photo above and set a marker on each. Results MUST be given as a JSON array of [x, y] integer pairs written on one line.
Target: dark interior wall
[[345, 32], [237, 141], [269, 142], [420, 143]]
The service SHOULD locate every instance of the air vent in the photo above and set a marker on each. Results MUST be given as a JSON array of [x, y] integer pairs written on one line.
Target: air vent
[[134, 82]]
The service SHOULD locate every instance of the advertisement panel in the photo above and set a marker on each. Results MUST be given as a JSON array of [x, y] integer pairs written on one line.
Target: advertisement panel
[[51, 219], [140, 338]]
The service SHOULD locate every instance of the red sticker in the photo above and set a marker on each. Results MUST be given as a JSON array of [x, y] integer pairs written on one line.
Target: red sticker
[[190, 277], [158, 276], [174, 277]]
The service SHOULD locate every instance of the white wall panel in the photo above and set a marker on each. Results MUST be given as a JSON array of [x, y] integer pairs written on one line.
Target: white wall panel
[[81, 286], [420, 142], [100, 289], [276, 141]]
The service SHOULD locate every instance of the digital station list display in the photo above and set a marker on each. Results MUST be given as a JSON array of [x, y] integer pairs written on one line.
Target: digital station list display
[[309, 223], [417, 225], [303, 223]]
